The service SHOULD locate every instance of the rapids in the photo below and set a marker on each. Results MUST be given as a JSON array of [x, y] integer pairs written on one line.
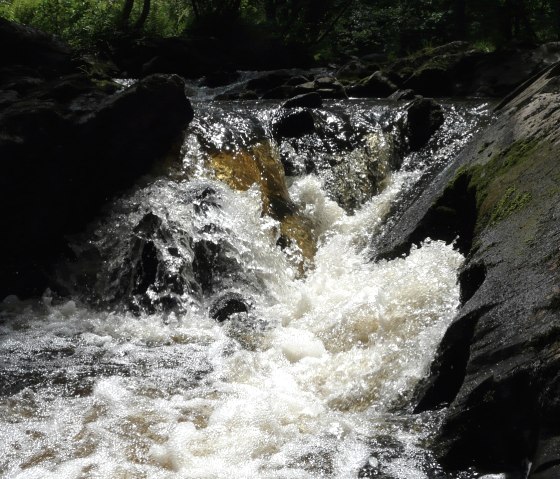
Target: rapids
[[125, 374]]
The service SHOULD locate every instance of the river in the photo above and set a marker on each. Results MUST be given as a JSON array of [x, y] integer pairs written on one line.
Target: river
[[198, 330]]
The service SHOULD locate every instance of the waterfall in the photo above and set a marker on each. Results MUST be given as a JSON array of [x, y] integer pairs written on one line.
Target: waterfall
[[224, 320]]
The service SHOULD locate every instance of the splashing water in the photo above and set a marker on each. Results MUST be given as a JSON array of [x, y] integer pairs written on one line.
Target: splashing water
[[314, 382]]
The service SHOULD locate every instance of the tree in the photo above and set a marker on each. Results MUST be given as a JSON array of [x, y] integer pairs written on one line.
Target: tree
[[127, 12], [125, 15], [143, 15]]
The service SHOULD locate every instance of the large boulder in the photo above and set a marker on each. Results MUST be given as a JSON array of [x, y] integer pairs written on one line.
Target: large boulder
[[498, 365], [67, 144]]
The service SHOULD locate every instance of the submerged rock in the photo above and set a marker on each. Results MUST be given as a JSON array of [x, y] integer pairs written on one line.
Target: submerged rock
[[498, 364], [228, 304], [422, 119]]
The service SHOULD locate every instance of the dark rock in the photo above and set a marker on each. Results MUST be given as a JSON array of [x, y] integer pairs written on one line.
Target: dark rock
[[336, 91], [336, 130], [325, 82], [330, 87], [293, 123], [306, 87], [227, 305], [248, 95], [401, 95], [279, 93], [356, 69], [435, 78], [66, 148], [457, 69], [374, 58], [237, 94], [296, 80], [422, 119], [497, 366], [220, 78], [307, 100], [377, 85], [214, 266], [269, 81], [31, 48], [326, 87]]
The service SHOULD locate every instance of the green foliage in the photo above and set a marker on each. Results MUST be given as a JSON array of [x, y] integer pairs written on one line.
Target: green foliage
[[330, 28], [80, 22], [83, 23]]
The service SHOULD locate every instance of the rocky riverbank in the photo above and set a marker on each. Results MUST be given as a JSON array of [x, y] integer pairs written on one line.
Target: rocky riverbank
[[497, 369]]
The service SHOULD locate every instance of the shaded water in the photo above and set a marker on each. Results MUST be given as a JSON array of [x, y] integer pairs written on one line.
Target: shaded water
[[310, 376]]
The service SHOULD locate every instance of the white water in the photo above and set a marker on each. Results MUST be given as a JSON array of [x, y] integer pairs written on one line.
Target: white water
[[304, 392]]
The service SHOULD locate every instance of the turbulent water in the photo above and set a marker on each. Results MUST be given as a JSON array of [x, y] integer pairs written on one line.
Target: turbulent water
[[128, 375]]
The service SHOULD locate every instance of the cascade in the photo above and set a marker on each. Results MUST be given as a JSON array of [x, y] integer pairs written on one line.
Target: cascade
[[224, 319]]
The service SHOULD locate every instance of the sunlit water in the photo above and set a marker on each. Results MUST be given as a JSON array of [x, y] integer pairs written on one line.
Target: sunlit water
[[314, 382]]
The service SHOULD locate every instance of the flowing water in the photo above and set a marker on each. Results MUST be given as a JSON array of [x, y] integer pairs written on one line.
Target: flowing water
[[203, 332]]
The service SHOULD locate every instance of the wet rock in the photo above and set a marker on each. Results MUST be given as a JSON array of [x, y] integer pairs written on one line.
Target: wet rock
[[325, 82], [336, 131], [401, 95], [293, 123], [214, 266], [422, 119], [326, 87], [362, 172], [146, 266], [69, 144], [307, 100], [227, 305], [497, 366], [261, 165], [377, 85]]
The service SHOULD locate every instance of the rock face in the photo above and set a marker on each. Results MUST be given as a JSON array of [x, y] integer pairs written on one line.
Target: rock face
[[67, 145], [498, 366]]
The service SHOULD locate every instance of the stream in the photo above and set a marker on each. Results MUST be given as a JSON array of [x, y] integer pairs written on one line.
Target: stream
[[222, 320]]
